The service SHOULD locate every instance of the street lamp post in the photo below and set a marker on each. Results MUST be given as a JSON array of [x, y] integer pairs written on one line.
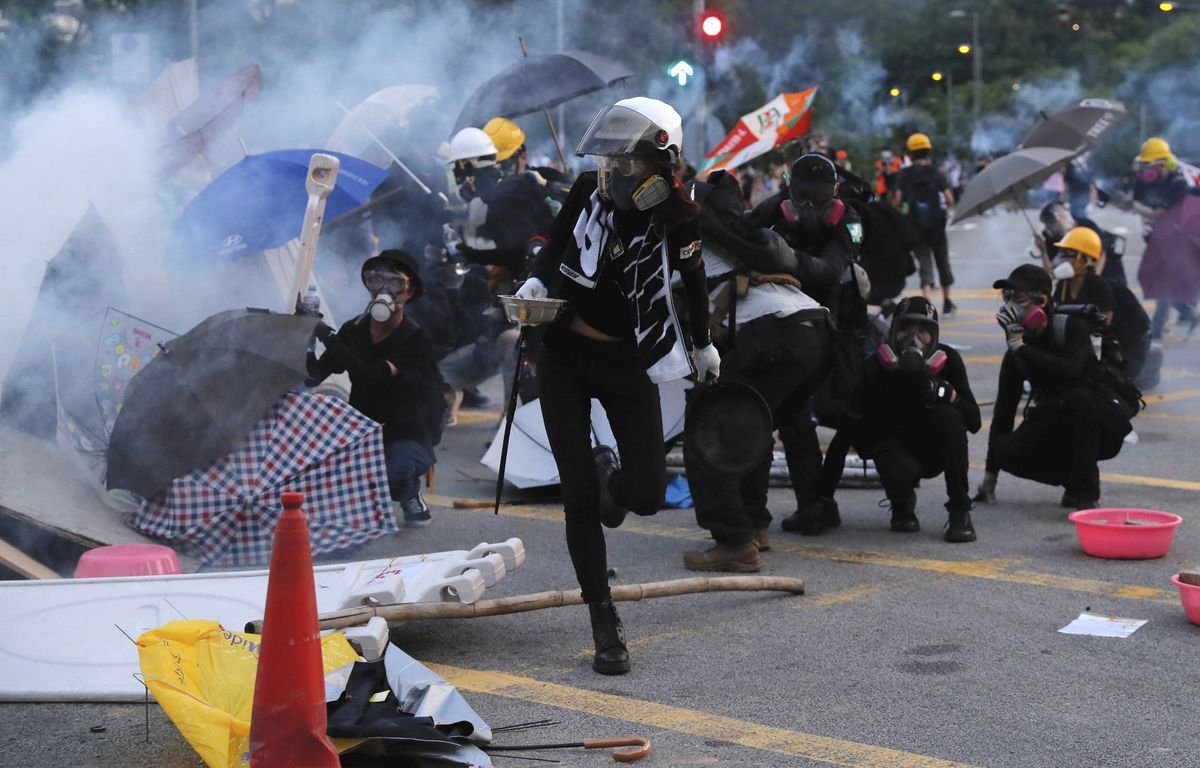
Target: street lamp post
[[976, 61]]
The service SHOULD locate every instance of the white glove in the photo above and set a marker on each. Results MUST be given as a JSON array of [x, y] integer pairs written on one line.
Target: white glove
[[1014, 332], [706, 360], [532, 289], [451, 239]]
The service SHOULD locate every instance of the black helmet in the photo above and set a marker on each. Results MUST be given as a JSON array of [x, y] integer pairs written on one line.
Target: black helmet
[[813, 177], [915, 309]]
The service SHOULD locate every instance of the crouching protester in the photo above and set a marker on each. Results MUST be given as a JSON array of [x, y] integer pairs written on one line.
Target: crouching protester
[[394, 378], [911, 412], [777, 340], [1071, 420], [621, 233]]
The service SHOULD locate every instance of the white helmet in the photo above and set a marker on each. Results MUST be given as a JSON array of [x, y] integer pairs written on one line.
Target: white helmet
[[634, 126], [471, 144]]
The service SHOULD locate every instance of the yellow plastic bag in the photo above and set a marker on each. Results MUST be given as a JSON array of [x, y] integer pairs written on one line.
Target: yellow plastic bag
[[203, 677]]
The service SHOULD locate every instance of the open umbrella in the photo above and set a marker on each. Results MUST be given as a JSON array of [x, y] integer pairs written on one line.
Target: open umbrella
[[260, 203], [1008, 177], [216, 109], [1170, 268], [539, 81], [393, 115], [1077, 127], [199, 397], [782, 119], [225, 513]]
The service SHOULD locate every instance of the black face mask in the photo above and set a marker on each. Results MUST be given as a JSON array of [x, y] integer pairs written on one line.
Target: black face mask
[[810, 218]]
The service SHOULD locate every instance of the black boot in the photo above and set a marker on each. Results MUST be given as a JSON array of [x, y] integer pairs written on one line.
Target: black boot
[[607, 464], [959, 528], [612, 658], [904, 514]]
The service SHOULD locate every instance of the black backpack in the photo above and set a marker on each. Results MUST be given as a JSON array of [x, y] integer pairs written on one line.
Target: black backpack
[[925, 201], [1107, 374]]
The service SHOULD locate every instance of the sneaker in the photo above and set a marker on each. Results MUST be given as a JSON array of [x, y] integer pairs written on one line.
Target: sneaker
[[416, 512], [611, 513], [948, 308], [742, 558], [761, 541], [813, 519], [473, 398], [959, 529], [904, 516], [1071, 501]]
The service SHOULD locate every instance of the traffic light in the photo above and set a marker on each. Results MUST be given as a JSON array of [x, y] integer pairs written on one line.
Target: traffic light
[[712, 26]]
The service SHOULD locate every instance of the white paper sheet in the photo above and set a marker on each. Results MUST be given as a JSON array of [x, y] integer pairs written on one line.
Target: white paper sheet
[[1099, 625]]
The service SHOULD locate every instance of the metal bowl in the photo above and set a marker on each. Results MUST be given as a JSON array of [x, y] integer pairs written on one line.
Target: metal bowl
[[531, 311]]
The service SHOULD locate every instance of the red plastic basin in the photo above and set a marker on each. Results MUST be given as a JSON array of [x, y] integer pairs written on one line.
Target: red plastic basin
[[127, 560], [1127, 534], [1189, 595]]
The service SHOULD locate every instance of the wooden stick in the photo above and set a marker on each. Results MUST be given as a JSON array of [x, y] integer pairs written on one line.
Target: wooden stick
[[398, 613], [13, 558]]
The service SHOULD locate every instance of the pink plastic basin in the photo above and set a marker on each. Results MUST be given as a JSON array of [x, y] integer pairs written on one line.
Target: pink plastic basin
[[127, 560], [1109, 532], [1189, 595]]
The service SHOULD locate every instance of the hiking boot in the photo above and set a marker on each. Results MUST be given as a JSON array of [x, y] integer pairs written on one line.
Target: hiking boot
[[958, 528], [904, 514], [611, 513], [739, 558], [813, 519], [761, 542], [416, 512], [1071, 501], [612, 657], [948, 308]]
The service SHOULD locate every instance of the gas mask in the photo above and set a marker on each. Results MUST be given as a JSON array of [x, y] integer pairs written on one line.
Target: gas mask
[[384, 287], [474, 181], [1033, 318], [631, 182], [911, 356], [381, 307], [812, 217], [1149, 174]]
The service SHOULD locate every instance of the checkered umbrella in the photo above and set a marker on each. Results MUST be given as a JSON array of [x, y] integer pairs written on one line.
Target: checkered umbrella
[[225, 513]]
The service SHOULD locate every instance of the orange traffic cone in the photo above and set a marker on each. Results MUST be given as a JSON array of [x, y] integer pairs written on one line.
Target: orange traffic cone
[[287, 726]]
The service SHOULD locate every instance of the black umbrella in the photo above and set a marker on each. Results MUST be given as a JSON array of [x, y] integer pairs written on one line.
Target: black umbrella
[[199, 397], [1078, 127], [1008, 177], [536, 82]]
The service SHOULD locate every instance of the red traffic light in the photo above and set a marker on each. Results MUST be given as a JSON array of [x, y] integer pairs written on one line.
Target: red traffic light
[[712, 25]]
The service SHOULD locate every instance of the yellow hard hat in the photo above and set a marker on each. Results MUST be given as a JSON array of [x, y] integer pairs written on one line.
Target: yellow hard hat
[[918, 141], [1082, 240], [506, 135], [1153, 150]]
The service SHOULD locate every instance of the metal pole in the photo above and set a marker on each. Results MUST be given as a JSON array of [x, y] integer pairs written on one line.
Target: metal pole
[[698, 53], [509, 414], [949, 103], [562, 125], [977, 60]]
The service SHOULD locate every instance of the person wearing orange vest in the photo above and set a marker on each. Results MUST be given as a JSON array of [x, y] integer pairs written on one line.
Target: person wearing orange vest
[[886, 168]]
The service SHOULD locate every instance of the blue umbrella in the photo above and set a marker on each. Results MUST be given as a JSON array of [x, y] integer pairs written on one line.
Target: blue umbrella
[[259, 204]]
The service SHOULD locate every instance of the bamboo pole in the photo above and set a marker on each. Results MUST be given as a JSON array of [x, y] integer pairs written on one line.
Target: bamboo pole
[[14, 558], [398, 613]]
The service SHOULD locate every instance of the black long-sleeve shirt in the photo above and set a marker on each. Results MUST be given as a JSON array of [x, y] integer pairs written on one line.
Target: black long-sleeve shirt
[[409, 403], [887, 403]]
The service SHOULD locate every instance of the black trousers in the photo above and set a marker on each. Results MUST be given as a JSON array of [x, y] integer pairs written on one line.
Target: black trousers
[[938, 446], [784, 360], [573, 370], [1057, 444]]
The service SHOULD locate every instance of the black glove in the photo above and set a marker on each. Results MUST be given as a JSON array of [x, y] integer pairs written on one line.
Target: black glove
[[323, 331]]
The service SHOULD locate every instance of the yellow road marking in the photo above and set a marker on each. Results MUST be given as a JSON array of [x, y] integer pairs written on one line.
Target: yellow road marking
[[1170, 397], [693, 722], [1000, 569], [853, 594], [984, 359], [466, 418]]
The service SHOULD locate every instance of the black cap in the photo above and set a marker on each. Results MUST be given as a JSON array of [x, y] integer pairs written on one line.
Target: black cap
[[401, 260], [1027, 278], [812, 174], [916, 309]]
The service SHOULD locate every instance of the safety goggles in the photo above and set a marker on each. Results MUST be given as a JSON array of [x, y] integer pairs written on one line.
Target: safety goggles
[[394, 283], [626, 165], [1016, 297]]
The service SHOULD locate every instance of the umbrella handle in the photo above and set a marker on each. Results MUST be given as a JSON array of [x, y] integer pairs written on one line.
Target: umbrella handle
[[508, 419], [641, 747], [322, 177]]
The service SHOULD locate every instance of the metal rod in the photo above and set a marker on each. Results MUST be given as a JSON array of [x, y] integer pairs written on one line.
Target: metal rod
[[508, 420]]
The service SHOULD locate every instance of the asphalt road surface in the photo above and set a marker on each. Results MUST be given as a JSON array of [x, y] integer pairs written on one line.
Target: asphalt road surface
[[906, 652]]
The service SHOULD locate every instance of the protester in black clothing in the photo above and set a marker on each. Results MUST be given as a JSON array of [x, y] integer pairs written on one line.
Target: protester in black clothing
[[1159, 187], [924, 195], [393, 377], [1074, 267], [777, 340], [1066, 426], [826, 235], [620, 234]]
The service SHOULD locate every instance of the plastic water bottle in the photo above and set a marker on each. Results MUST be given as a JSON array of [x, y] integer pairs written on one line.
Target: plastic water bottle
[[311, 303]]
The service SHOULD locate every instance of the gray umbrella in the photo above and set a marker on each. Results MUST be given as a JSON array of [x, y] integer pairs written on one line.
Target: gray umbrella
[[1009, 177], [197, 399], [1077, 128], [537, 82]]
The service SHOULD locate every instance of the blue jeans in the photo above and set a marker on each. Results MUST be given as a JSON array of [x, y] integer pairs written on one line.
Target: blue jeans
[[407, 461]]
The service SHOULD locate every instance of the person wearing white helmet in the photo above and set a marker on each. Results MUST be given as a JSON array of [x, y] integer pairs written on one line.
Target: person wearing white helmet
[[622, 232]]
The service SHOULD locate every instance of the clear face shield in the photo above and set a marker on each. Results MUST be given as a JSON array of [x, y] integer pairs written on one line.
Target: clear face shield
[[623, 142]]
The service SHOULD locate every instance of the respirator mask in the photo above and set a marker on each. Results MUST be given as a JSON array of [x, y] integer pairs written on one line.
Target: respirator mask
[[909, 353], [631, 182], [1149, 174], [474, 180], [1068, 265], [384, 287], [1032, 316]]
